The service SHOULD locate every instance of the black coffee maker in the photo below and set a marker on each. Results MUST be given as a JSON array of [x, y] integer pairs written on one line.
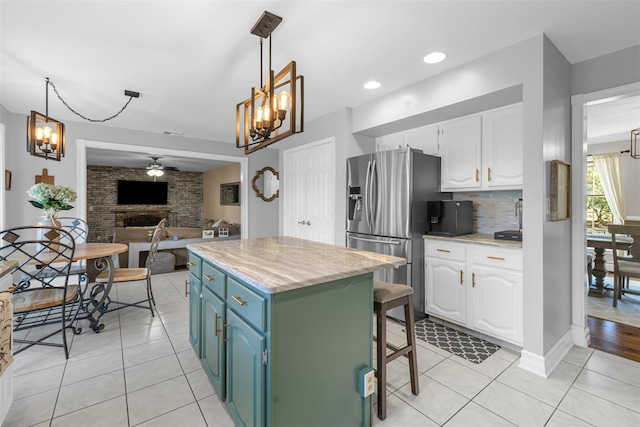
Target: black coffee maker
[[450, 217]]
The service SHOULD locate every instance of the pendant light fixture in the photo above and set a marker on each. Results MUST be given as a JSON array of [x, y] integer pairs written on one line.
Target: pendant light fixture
[[275, 110], [45, 135], [634, 143]]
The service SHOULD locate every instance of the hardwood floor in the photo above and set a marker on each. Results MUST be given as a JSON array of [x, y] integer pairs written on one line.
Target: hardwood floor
[[615, 338]]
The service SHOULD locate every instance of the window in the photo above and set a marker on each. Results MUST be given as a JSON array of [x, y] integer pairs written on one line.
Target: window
[[598, 212]]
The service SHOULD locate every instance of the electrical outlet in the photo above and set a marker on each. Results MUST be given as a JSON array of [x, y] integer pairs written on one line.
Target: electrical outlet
[[366, 382]]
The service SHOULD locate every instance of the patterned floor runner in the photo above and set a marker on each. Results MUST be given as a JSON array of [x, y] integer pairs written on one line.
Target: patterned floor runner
[[471, 348]]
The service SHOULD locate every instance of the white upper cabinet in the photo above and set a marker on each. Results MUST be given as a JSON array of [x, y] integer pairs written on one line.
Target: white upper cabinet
[[479, 152], [483, 152], [502, 148], [424, 138], [460, 148]]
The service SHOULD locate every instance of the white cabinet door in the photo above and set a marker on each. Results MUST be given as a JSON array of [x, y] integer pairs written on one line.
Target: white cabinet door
[[424, 138], [446, 294], [460, 148], [497, 302], [308, 194], [502, 148]]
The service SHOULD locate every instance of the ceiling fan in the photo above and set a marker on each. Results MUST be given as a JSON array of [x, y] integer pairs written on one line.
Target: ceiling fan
[[156, 169]]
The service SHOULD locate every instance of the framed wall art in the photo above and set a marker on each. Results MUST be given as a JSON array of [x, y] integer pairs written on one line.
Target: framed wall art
[[560, 190], [230, 194]]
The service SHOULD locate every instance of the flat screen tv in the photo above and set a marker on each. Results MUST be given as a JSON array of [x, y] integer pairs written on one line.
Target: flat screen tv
[[142, 192]]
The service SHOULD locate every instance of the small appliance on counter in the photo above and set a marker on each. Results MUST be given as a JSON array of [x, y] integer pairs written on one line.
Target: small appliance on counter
[[513, 235], [450, 217]]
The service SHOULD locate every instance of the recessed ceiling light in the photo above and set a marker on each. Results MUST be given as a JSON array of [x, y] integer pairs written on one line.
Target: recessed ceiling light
[[434, 57], [372, 85]]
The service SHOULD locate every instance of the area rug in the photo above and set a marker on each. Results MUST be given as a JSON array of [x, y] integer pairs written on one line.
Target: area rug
[[471, 348]]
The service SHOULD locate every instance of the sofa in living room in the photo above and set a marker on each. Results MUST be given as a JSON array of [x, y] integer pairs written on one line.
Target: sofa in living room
[[179, 236]]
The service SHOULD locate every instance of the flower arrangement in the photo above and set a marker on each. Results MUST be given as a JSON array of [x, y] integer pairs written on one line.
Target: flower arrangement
[[51, 198]]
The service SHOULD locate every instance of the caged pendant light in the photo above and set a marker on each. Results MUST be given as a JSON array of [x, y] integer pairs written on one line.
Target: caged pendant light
[[275, 110], [45, 135]]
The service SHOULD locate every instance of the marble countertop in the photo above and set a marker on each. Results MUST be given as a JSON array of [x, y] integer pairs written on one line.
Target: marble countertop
[[7, 266], [277, 264], [484, 239]]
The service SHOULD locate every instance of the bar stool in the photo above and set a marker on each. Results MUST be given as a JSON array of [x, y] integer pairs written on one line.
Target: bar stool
[[385, 297]]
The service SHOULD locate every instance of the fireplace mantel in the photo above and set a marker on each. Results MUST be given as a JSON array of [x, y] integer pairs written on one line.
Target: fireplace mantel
[[143, 217]]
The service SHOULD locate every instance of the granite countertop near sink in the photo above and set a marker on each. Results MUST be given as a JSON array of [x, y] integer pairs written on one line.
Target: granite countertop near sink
[[484, 239], [277, 264], [7, 266]]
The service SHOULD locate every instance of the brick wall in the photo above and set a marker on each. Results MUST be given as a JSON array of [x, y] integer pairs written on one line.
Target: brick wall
[[184, 198]]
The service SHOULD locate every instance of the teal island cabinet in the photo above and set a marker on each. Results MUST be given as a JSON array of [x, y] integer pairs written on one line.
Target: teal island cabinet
[[283, 326]]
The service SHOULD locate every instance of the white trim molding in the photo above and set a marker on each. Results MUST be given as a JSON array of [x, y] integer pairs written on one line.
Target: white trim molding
[[543, 366]]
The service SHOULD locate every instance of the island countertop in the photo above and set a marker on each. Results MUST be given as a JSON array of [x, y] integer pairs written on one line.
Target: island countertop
[[277, 264]]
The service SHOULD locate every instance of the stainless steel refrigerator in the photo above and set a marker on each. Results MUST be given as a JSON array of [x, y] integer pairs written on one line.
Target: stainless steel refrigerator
[[387, 195]]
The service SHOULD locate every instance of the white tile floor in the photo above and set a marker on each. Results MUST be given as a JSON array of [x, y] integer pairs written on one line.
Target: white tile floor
[[141, 371]]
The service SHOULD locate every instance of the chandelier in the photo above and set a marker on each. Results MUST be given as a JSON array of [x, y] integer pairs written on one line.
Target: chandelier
[[275, 110], [45, 135]]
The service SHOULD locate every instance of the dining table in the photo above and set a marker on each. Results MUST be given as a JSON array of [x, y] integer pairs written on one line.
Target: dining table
[[600, 243], [102, 255]]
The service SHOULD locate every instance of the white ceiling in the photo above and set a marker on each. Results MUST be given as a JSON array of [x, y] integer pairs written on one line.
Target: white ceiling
[[193, 61]]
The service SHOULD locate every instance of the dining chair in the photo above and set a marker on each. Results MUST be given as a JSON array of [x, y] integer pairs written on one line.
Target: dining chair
[[133, 274], [625, 266], [78, 231], [41, 299]]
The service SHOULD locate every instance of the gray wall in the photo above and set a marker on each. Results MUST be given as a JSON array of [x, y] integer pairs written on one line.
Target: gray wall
[[556, 273], [263, 217], [606, 71]]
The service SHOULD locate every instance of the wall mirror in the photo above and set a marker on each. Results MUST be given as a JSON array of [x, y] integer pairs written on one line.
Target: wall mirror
[[266, 184]]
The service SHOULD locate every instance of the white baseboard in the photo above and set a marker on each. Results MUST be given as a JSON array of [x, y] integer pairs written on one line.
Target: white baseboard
[[543, 366], [581, 335]]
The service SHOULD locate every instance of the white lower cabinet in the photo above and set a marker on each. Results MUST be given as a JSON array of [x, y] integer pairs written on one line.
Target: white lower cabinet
[[476, 286]]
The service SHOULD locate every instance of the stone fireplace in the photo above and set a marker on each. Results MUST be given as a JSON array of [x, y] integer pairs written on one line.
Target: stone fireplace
[[142, 218]]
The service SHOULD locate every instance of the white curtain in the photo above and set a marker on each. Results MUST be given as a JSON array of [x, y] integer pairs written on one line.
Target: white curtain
[[608, 167]]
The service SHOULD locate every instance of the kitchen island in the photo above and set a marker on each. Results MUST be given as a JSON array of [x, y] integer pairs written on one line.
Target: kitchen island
[[282, 327]]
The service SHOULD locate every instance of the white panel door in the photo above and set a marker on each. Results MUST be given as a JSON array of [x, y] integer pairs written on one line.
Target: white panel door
[[293, 193], [309, 196]]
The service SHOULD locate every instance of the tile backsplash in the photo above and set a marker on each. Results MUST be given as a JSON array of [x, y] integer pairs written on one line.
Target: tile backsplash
[[492, 210]]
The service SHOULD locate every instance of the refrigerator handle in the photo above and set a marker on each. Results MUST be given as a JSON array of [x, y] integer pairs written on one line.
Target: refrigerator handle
[[383, 242], [367, 200], [373, 205]]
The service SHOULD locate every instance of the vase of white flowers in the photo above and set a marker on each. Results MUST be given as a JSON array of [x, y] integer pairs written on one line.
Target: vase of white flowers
[[51, 199]]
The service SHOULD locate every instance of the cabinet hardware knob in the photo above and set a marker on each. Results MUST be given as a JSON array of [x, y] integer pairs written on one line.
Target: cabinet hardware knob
[[443, 250], [477, 175], [489, 173], [473, 280], [191, 264], [215, 325], [495, 257], [461, 277], [209, 278], [238, 300], [186, 288]]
